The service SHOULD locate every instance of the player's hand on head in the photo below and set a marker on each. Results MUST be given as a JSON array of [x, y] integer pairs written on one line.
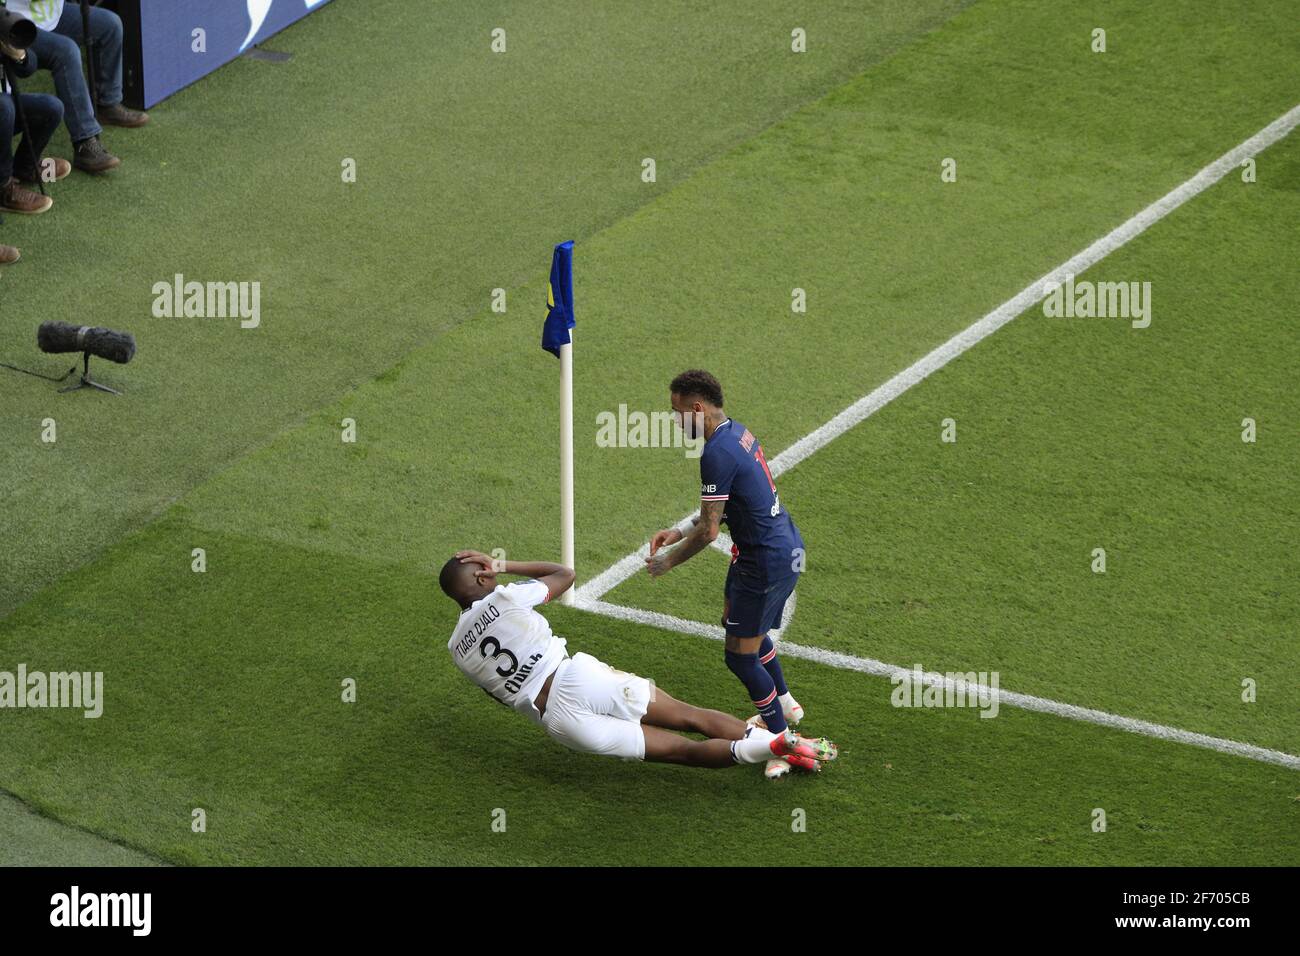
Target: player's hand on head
[[477, 557]]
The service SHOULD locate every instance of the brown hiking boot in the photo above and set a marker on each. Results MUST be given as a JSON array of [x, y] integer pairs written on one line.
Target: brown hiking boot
[[14, 198], [119, 115], [90, 156], [53, 168], [8, 254]]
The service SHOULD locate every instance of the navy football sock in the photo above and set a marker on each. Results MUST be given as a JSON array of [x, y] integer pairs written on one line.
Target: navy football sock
[[767, 657], [762, 690]]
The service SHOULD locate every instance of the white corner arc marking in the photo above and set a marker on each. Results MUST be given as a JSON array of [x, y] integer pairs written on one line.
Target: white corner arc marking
[[588, 595]]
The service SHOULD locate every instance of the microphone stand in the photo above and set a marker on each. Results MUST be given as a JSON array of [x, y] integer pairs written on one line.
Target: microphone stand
[[84, 382]]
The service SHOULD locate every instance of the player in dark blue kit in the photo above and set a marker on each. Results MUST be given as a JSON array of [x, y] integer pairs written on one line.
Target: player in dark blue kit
[[767, 555]]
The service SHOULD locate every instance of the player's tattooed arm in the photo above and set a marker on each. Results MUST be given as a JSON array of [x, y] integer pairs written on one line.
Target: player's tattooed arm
[[704, 529]]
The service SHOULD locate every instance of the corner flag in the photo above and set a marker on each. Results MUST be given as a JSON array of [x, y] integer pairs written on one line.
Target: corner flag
[[559, 300], [557, 341]]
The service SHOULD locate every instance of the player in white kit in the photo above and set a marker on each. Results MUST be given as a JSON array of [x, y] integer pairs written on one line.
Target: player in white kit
[[505, 647]]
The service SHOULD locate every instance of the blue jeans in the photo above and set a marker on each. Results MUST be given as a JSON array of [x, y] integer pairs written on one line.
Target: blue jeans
[[60, 53], [44, 113]]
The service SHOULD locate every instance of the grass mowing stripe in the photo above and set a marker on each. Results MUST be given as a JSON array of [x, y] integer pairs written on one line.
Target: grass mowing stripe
[[290, 776], [867, 665], [1027, 297], [490, 162], [30, 838]]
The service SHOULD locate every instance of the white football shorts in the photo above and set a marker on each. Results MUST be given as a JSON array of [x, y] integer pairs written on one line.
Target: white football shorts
[[596, 709]]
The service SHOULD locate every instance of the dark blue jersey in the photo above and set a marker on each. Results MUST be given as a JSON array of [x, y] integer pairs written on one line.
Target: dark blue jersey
[[733, 469]]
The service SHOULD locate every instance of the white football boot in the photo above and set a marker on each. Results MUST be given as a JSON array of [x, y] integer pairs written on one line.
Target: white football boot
[[776, 767]]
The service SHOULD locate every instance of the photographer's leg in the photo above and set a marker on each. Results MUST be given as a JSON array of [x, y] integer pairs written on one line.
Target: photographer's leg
[[8, 254], [106, 34], [62, 57], [13, 196], [106, 41], [44, 114]]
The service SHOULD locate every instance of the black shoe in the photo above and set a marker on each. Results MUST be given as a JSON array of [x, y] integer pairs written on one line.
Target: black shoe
[[119, 115], [90, 156]]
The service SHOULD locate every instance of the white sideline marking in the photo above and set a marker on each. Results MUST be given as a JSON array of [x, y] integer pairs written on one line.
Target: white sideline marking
[[587, 597], [1030, 295], [867, 665]]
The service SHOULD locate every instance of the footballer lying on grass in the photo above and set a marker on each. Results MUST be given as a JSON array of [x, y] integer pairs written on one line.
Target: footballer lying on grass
[[507, 648]]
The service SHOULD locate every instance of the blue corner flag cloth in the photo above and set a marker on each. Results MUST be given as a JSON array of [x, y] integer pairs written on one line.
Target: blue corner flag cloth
[[559, 300]]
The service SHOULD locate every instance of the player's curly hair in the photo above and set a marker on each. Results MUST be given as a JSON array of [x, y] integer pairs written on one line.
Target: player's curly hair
[[455, 578], [697, 383]]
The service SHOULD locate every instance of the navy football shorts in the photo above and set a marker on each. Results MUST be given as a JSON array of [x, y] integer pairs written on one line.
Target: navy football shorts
[[755, 600]]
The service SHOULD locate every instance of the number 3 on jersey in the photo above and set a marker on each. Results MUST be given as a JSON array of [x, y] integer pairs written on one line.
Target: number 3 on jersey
[[499, 652]]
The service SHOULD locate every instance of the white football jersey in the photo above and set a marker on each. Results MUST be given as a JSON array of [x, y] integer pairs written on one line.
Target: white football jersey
[[506, 647]]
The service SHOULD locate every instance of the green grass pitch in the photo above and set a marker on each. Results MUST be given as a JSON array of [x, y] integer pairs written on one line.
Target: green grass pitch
[[775, 170]]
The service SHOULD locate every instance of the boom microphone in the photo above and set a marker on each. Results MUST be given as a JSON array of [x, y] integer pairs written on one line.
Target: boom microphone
[[117, 347], [18, 32]]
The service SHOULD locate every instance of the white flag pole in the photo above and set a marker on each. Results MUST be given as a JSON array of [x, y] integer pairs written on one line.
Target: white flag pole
[[566, 460]]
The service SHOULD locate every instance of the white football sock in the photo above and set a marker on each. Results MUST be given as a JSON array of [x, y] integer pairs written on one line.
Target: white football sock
[[787, 702], [755, 747]]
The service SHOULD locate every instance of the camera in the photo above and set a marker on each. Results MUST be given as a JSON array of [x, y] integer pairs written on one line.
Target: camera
[[18, 32]]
